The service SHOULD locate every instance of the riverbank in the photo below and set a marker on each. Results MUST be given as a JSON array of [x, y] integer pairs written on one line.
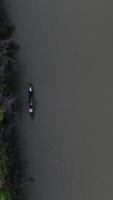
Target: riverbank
[[11, 168]]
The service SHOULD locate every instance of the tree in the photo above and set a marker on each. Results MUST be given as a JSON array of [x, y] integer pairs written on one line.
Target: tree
[[5, 195], [2, 87], [2, 112]]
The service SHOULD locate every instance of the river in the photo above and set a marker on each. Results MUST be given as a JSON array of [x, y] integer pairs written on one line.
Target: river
[[67, 53]]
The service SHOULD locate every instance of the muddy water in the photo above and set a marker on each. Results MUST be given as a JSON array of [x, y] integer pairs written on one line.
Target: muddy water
[[67, 53]]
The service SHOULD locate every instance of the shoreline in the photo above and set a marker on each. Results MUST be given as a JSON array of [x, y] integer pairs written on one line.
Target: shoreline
[[12, 171]]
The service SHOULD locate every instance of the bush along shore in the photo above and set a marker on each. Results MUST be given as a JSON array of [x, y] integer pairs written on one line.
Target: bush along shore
[[11, 170]]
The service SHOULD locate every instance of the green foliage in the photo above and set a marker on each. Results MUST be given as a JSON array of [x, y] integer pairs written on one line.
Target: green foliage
[[2, 87], [5, 195], [2, 112], [3, 160], [10, 171]]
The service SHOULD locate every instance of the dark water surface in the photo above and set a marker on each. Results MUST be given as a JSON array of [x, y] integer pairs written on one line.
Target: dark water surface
[[67, 53]]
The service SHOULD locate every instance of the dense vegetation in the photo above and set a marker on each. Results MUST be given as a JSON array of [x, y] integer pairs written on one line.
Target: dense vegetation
[[10, 167]]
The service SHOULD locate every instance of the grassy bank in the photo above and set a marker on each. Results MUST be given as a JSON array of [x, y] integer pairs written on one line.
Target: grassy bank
[[10, 164]]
